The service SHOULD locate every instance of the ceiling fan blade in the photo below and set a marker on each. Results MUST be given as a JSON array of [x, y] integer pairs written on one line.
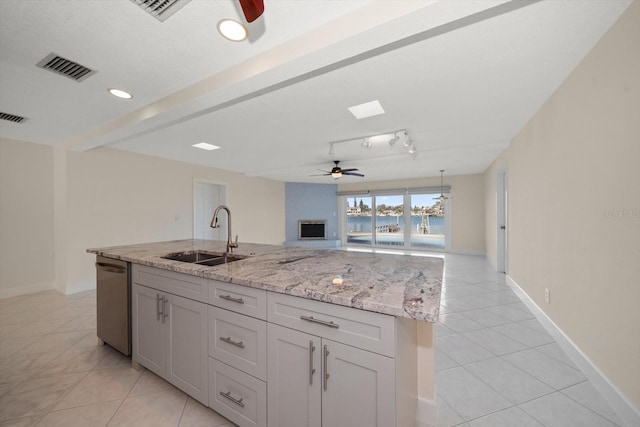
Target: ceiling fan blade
[[349, 170], [352, 173], [252, 9], [324, 174]]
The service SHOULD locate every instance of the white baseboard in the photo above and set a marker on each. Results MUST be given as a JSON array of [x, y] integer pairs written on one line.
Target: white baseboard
[[426, 413], [26, 289], [80, 287], [623, 407]]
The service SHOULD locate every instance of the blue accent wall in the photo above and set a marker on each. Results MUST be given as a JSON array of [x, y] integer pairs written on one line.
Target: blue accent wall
[[310, 201]]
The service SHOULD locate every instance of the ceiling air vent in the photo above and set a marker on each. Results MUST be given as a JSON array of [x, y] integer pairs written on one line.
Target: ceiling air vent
[[64, 67], [12, 118], [161, 9]]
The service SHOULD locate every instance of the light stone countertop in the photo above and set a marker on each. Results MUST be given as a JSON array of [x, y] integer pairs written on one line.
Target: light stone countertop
[[398, 285]]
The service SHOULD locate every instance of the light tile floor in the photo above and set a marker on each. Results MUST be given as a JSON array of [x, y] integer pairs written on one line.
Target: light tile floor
[[495, 366], [53, 373]]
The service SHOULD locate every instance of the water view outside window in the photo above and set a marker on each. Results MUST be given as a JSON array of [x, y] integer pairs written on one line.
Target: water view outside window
[[427, 221], [387, 226], [389, 220], [359, 220]]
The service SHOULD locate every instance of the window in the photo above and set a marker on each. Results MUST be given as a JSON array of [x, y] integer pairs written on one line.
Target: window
[[414, 218]]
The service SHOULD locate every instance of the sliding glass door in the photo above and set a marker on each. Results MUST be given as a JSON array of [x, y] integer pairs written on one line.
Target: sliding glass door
[[404, 219], [427, 221], [359, 224]]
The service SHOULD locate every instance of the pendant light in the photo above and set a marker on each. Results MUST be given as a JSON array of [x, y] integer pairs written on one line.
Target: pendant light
[[442, 198]]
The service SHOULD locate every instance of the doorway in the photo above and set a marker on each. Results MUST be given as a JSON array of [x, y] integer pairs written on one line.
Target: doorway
[[206, 197], [501, 221]]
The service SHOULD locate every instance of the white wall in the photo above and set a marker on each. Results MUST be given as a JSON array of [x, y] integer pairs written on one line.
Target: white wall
[[574, 205], [26, 218], [56, 204], [467, 205], [117, 197]]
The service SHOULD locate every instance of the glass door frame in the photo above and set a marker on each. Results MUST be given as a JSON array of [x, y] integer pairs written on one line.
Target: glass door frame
[[406, 193]]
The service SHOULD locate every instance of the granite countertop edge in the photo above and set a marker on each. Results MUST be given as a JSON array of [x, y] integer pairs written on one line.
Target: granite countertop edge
[[397, 285]]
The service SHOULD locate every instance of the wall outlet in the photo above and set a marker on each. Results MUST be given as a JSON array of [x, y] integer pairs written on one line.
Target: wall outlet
[[547, 295]]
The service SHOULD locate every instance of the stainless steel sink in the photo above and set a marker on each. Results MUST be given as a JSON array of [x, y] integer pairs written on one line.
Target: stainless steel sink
[[218, 260], [202, 258]]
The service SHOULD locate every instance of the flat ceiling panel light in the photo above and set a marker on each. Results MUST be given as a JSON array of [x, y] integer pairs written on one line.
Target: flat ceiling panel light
[[232, 30], [12, 118], [161, 9], [120, 93], [65, 67], [368, 109], [205, 146]]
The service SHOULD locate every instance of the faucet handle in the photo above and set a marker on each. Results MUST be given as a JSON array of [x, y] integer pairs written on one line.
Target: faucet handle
[[234, 244]]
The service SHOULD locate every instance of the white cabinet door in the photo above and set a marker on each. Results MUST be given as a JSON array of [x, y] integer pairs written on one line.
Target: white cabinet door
[[293, 378], [147, 329], [186, 346], [360, 387]]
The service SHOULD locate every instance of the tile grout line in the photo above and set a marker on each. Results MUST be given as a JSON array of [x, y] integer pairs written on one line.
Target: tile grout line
[[583, 405]]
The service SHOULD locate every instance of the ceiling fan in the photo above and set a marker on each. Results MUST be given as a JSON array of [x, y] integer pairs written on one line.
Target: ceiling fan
[[252, 9], [442, 197], [336, 172]]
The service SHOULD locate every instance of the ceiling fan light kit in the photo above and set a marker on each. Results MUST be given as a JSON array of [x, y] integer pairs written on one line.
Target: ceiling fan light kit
[[337, 172], [442, 197]]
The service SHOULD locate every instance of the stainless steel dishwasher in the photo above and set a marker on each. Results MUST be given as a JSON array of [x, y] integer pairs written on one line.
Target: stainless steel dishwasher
[[114, 303]]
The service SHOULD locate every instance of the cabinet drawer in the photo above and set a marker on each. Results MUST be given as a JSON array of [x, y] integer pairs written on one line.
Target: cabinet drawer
[[238, 396], [241, 299], [183, 285], [239, 341], [363, 329]]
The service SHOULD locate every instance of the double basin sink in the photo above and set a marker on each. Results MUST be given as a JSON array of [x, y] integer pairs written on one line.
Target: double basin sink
[[203, 258]]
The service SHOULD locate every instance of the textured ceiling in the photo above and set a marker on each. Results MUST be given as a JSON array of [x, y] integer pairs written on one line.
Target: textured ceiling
[[461, 77]]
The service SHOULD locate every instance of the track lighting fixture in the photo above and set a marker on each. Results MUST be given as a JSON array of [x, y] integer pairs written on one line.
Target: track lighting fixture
[[407, 141], [391, 138]]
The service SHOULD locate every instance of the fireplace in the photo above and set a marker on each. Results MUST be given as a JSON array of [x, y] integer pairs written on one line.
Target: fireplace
[[312, 229]]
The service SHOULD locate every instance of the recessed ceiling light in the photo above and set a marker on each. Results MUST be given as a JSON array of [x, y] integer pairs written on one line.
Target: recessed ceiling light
[[120, 93], [205, 146], [232, 30], [367, 109]]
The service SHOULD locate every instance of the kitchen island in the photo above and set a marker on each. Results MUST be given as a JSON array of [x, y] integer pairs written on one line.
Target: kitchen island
[[288, 334]]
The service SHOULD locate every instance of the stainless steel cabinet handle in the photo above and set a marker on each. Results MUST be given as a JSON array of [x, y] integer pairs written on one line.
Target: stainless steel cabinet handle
[[325, 368], [311, 368], [233, 399], [165, 300], [230, 298], [321, 322], [239, 344], [158, 312]]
